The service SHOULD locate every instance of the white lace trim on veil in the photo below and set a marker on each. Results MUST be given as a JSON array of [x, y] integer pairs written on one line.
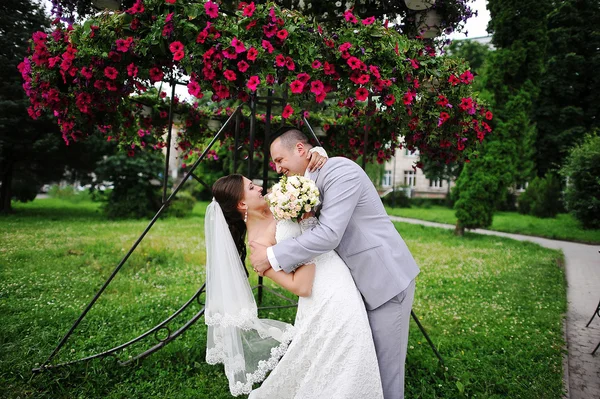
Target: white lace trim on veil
[[247, 346]]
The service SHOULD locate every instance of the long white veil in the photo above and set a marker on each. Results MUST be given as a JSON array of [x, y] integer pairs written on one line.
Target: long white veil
[[247, 346]]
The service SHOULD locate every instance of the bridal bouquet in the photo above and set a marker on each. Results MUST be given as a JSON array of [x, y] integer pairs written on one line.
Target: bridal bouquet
[[292, 197]]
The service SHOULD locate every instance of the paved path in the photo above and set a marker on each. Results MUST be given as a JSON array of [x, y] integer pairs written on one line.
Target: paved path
[[582, 266]]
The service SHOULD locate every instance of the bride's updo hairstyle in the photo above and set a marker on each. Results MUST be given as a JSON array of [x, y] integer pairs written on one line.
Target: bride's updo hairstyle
[[228, 191]]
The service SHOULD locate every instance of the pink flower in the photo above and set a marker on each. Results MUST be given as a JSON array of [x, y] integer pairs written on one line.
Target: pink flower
[[489, 115], [194, 89], [123, 44], [252, 54], [178, 55], [375, 71], [137, 8], [316, 64], [238, 45], [453, 80], [251, 25], [350, 17], [280, 60], [363, 79], [253, 83], [466, 77], [297, 86], [319, 98], [86, 72], [202, 36], [289, 63], [345, 47], [156, 75], [444, 116], [329, 69], [303, 77], [267, 46], [110, 72], [99, 85], [132, 70], [408, 97], [282, 34], [176, 46], [414, 63], [212, 9], [287, 111], [368, 21], [270, 79], [242, 66], [229, 75], [270, 30], [170, 1], [362, 94], [249, 9], [389, 100], [354, 62], [316, 87]]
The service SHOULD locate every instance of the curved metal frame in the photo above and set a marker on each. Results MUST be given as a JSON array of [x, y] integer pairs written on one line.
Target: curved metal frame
[[255, 100]]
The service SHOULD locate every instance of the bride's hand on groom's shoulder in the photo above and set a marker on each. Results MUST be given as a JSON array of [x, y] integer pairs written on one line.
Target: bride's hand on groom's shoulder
[[258, 257], [316, 160]]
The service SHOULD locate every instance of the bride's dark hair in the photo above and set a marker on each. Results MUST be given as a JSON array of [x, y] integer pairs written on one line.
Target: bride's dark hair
[[228, 192]]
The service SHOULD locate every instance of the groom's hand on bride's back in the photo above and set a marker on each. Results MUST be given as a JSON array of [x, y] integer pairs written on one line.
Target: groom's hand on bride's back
[[258, 257]]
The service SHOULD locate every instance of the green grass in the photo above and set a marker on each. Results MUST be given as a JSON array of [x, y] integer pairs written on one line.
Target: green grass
[[563, 227], [492, 306]]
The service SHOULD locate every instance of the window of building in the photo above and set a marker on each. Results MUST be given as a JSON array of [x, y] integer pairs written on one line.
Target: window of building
[[408, 153], [436, 183], [387, 178], [410, 178]]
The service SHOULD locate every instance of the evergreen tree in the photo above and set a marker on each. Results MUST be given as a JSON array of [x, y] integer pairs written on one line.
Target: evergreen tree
[[512, 78], [569, 102]]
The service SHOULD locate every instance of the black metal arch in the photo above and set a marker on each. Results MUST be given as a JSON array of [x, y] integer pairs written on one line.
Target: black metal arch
[[235, 118]]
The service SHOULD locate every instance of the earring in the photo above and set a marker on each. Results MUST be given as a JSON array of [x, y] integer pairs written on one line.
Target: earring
[[246, 216]]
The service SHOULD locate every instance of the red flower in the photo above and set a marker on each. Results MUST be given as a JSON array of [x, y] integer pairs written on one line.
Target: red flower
[[242, 66], [110, 72], [408, 97], [249, 9], [368, 21], [287, 111], [238, 45], [176, 46], [99, 85], [303, 77], [489, 115], [212, 9], [87, 72], [132, 70], [350, 17], [171, 1], [354, 62], [178, 55], [253, 83], [270, 30], [123, 44], [345, 47], [251, 25], [443, 101], [202, 36], [137, 8], [375, 71], [280, 60], [453, 80], [316, 64], [282, 34], [289, 63], [229, 75], [252, 54], [329, 69], [414, 63], [444, 116], [389, 100], [363, 79], [297, 86], [466, 77], [267, 46], [362, 94], [156, 75], [316, 87]]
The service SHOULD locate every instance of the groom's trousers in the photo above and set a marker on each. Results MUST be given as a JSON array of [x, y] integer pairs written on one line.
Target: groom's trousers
[[389, 324]]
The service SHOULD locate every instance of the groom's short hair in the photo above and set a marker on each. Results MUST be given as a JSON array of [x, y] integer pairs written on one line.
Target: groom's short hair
[[289, 135]]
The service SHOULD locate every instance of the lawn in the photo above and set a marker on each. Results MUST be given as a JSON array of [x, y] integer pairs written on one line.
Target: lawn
[[563, 227], [494, 307]]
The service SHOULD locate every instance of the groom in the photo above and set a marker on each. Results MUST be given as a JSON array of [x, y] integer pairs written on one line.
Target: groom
[[353, 222]]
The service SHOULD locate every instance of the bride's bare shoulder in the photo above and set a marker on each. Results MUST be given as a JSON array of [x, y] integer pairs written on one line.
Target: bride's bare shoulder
[[265, 235]]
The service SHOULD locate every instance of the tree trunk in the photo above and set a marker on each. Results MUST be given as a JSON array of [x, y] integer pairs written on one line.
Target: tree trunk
[[459, 230], [5, 189]]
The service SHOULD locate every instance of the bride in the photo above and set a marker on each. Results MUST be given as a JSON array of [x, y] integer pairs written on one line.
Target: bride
[[329, 352]]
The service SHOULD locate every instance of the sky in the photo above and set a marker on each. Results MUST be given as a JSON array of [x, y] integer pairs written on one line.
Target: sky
[[476, 26]]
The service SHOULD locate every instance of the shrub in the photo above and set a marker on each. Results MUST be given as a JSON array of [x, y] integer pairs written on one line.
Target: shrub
[[397, 199], [542, 197], [182, 205], [582, 169]]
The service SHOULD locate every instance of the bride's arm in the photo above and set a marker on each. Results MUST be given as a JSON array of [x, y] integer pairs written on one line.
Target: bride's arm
[[299, 282]]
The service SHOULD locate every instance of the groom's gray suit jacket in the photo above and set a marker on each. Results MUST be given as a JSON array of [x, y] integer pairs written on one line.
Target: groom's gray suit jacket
[[353, 221]]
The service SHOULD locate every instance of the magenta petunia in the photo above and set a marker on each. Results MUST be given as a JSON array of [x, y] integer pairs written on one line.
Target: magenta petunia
[[253, 83], [289, 63], [280, 60], [238, 45], [303, 77], [229, 75], [316, 87], [132, 70], [110, 72], [194, 88], [345, 47], [243, 66], [156, 74], [287, 111], [297, 86], [361, 94], [363, 79], [282, 34], [252, 54], [350, 17], [354, 62], [124, 44], [389, 100], [316, 64], [368, 21], [249, 9], [178, 55], [176, 46], [170, 1], [212, 9], [267, 46]]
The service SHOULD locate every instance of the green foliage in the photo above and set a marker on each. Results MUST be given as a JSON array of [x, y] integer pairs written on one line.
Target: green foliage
[[479, 298], [182, 205], [569, 102], [397, 199], [69, 193], [542, 197], [136, 192], [582, 169]]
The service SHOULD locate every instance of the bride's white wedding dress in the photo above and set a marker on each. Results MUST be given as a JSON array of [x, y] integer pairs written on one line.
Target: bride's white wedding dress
[[332, 354]]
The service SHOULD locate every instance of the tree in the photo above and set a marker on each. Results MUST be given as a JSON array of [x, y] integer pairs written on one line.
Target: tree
[[512, 77], [569, 102]]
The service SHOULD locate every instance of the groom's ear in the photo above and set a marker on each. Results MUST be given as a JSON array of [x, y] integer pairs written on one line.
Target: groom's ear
[[301, 149]]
